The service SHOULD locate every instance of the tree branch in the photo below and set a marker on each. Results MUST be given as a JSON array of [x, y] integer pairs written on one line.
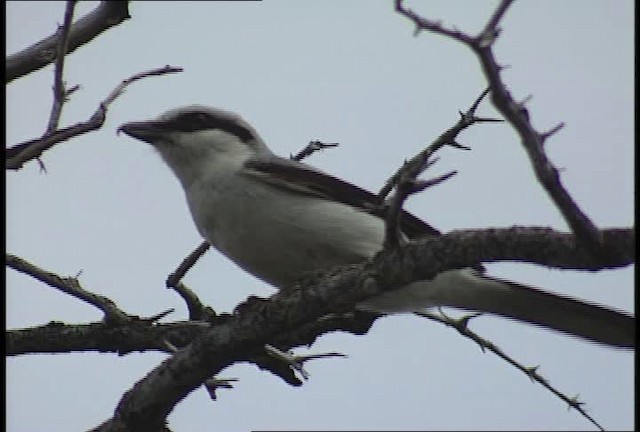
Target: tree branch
[[147, 404], [461, 325], [197, 311], [37, 56], [59, 91], [404, 180], [19, 154], [71, 286], [517, 115], [135, 335]]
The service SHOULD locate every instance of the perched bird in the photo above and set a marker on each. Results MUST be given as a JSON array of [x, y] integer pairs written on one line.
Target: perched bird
[[278, 219]]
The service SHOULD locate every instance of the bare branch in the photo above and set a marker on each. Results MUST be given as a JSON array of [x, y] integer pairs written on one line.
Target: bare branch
[[123, 85], [136, 335], [71, 286], [433, 26], [405, 178], [491, 30], [461, 325], [187, 263], [37, 56], [546, 174], [59, 92], [447, 138], [19, 154], [296, 362], [311, 148], [197, 311], [149, 402]]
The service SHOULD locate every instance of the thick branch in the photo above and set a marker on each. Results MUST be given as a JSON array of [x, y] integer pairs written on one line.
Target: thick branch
[[134, 336], [37, 56], [149, 402]]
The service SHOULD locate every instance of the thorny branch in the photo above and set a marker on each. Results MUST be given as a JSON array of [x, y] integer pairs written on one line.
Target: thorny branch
[[338, 289], [461, 325], [517, 115], [405, 178], [19, 154], [405, 183]]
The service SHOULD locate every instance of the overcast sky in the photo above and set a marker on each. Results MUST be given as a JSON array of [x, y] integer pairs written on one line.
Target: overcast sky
[[347, 71]]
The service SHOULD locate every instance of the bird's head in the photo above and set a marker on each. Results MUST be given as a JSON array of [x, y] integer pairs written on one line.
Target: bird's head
[[195, 136]]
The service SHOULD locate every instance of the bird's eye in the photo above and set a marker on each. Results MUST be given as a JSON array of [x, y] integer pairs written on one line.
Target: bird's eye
[[192, 121]]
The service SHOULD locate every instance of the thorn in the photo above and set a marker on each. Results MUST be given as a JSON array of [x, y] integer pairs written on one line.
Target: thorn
[[464, 321], [459, 146], [575, 403], [160, 315], [74, 88], [488, 120], [43, 168], [171, 347], [532, 372], [297, 362], [212, 384], [544, 136], [420, 185]]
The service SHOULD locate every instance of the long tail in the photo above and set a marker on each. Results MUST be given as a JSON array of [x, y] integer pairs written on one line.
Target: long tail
[[469, 290], [575, 317]]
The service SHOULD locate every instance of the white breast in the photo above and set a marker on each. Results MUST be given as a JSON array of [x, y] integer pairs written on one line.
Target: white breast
[[278, 236]]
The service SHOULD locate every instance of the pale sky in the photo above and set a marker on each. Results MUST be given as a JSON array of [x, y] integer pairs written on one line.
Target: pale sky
[[347, 71]]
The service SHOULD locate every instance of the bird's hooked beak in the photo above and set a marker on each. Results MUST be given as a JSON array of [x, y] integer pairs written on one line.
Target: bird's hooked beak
[[148, 131]]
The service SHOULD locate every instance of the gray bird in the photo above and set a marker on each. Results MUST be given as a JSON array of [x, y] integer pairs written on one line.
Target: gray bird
[[278, 219]]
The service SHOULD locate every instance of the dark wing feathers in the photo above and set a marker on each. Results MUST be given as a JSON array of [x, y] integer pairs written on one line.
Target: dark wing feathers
[[317, 183]]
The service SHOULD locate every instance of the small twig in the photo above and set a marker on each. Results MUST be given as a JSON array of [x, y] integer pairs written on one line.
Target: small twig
[[71, 286], [212, 384], [157, 317], [197, 311], [123, 85], [420, 185], [433, 26], [552, 131], [311, 148], [357, 323], [405, 178], [447, 138], [187, 263], [297, 362], [461, 325], [19, 154], [60, 94]]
